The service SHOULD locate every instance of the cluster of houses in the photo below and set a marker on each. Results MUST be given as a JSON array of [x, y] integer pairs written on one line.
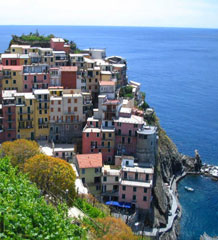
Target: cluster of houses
[[71, 101]]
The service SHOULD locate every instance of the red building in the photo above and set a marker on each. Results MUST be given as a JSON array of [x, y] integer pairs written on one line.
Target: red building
[[57, 44], [10, 59], [8, 118], [68, 77]]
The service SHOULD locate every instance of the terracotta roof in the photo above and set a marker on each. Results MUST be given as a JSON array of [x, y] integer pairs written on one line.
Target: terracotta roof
[[92, 160], [13, 68], [68, 69], [107, 83]]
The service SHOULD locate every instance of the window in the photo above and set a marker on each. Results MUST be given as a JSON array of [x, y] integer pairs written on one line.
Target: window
[[25, 78], [136, 176], [135, 125], [110, 135], [102, 144], [87, 134], [96, 80], [90, 80], [45, 77], [108, 144], [124, 188], [129, 140], [96, 170], [83, 170], [134, 197], [35, 79], [116, 179], [6, 81], [147, 177], [98, 134], [75, 109], [145, 136], [123, 140], [14, 73], [134, 189], [130, 133], [83, 180], [123, 196], [51, 59], [75, 100], [144, 198], [40, 111], [125, 175], [59, 109], [119, 132], [98, 188], [25, 86], [145, 190], [31, 101], [69, 100], [105, 179], [99, 150], [59, 102]]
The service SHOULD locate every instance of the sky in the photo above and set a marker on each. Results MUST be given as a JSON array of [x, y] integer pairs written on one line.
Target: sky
[[166, 13]]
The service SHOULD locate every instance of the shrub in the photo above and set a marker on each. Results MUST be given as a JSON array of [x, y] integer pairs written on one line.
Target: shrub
[[52, 175], [20, 150]]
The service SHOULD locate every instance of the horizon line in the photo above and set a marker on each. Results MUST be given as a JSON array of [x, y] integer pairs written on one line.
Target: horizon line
[[133, 26]]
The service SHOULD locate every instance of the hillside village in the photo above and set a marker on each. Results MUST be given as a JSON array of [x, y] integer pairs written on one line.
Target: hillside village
[[81, 107]]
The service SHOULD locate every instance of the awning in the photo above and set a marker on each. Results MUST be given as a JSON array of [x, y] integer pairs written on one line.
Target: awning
[[119, 204]]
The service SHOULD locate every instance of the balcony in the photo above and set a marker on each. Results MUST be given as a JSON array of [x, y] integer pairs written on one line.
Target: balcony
[[43, 125]]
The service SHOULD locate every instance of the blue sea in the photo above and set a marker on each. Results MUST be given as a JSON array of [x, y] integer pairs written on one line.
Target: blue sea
[[178, 70]]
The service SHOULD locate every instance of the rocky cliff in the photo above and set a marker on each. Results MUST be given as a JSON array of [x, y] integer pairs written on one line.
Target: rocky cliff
[[169, 163]]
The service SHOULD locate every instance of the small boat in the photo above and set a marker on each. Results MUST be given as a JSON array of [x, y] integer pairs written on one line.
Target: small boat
[[189, 189]]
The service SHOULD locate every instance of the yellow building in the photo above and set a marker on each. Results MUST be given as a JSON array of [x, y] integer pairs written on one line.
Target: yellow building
[[89, 167], [21, 49], [25, 103], [12, 78], [41, 109]]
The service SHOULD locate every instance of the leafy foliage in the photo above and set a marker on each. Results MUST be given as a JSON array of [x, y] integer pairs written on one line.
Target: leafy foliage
[[52, 175], [24, 214], [20, 150], [126, 92], [33, 37], [87, 208]]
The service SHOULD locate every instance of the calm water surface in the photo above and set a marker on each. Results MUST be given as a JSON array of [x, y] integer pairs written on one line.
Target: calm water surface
[[178, 70]]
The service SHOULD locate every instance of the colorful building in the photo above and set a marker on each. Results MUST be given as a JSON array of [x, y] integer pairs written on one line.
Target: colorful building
[[12, 78], [89, 167], [68, 77], [135, 184]]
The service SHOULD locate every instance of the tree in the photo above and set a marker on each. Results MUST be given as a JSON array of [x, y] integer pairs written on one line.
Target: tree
[[19, 151], [54, 176], [24, 213], [116, 229]]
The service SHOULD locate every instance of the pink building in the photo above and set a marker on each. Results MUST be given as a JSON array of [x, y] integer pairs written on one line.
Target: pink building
[[126, 127], [97, 138], [35, 81], [135, 184]]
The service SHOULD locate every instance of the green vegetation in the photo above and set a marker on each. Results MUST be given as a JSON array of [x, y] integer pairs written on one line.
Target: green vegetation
[[24, 214], [126, 92], [89, 209], [37, 40]]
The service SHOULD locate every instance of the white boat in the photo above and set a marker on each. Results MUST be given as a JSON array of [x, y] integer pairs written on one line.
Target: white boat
[[189, 189]]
